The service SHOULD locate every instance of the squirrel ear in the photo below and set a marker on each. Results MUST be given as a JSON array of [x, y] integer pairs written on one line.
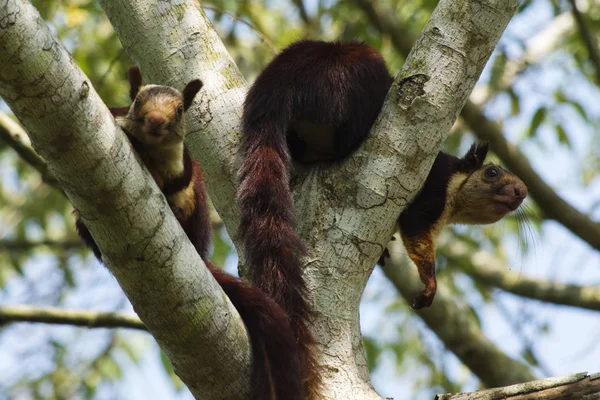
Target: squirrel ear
[[135, 81], [475, 156], [118, 111], [189, 92]]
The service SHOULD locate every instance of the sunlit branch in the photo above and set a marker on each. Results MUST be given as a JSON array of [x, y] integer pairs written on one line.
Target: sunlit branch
[[588, 39], [16, 137], [488, 269], [264, 38], [575, 386], [55, 315], [25, 245]]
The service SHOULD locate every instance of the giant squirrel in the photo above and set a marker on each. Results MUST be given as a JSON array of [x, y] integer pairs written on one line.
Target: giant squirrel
[[155, 126], [316, 102]]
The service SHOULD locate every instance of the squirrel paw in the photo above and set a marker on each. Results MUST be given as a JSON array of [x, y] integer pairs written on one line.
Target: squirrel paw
[[177, 211], [422, 300]]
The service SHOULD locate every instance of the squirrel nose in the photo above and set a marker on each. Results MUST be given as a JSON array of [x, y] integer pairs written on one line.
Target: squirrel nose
[[520, 191], [155, 118]]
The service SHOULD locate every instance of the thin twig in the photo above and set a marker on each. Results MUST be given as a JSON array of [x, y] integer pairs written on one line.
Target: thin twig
[[485, 268], [247, 23], [588, 39], [575, 386], [302, 10], [55, 315], [16, 137], [113, 62], [25, 245]]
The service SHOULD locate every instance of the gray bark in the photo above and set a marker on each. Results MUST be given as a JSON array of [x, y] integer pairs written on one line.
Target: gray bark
[[346, 213], [142, 242]]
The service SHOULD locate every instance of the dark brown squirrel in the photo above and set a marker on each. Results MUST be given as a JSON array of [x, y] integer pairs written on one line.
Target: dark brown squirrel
[[155, 126], [456, 191], [316, 102]]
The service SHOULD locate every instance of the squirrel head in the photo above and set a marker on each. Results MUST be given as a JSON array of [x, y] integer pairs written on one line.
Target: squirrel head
[[483, 193], [156, 115]]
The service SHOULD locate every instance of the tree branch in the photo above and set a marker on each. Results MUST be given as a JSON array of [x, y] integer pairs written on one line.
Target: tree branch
[[16, 137], [55, 315], [588, 39], [575, 386], [26, 245], [384, 19], [141, 241], [302, 10], [487, 269], [552, 205], [456, 326], [249, 24]]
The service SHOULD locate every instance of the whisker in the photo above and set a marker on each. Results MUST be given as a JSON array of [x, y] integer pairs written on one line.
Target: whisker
[[527, 234]]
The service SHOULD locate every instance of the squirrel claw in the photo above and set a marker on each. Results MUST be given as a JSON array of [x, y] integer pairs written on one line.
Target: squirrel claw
[[177, 211], [422, 300]]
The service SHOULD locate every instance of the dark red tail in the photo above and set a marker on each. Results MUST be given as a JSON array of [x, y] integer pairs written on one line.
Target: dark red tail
[[275, 367], [272, 248]]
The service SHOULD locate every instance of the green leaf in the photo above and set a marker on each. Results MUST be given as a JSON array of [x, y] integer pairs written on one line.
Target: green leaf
[[109, 368], [562, 135], [537, 120], [177, 383], [129, 351], [372, 350], [579, 108], [529, 357], [515, 106], [498, 70]]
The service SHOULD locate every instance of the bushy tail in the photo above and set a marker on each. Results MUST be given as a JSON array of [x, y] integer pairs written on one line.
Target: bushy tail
[[272, 248], [276, 366]]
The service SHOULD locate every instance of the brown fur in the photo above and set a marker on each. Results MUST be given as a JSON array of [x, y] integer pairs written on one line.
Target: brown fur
[[457, 191], [155, 125], [184, 202], [315, 102]]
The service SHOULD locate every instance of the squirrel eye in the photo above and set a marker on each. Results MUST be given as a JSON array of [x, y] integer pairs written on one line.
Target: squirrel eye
[[137, 103], [492, 172], [180, 110]]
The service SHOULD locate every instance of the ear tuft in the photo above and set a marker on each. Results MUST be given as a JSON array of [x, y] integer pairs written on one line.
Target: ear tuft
[[118, 111], [135, 81], [475, 157], [189, 92]]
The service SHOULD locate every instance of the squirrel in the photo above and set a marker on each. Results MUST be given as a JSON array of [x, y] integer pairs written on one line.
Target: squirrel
[[316, 102], [456, 191], [155, 126]]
